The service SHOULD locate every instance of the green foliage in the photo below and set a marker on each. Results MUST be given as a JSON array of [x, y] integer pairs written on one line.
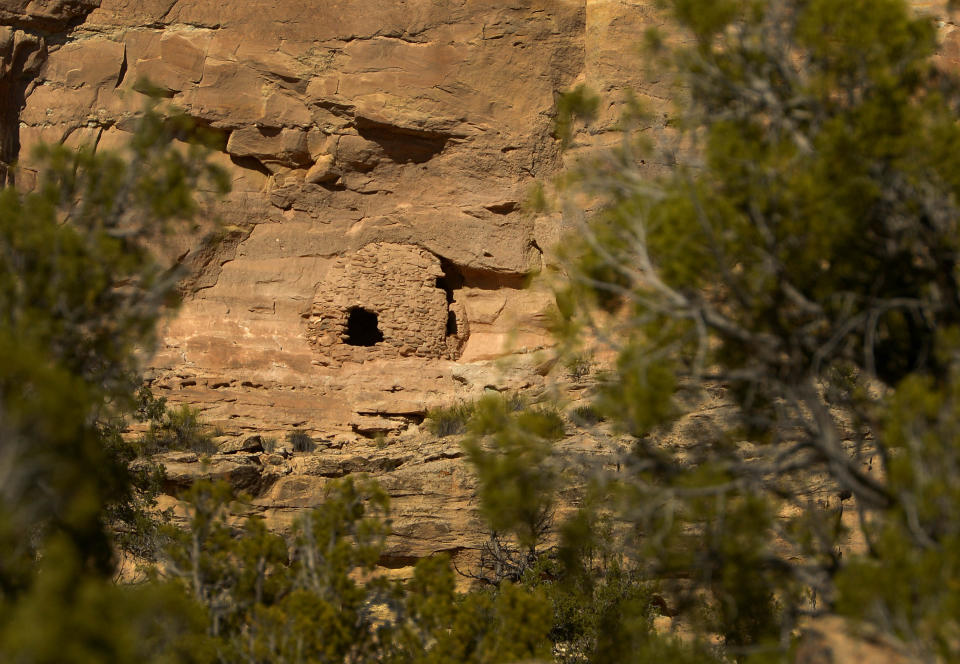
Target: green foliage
[[149, 407], [70, 617], [586, 416], [511, 452], [801, 253], [450, 421], [178, 429], [135, 522], [908, 584], [268, 602], [301, 601], [506, 624], [578, 366], [640, 395], [114, 206], [536, 199], [578, 104], [300, 441], [599, 617], [80, 298]]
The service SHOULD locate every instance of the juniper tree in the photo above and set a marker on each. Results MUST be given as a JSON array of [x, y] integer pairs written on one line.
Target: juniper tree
[[800, 255], [81, 293]]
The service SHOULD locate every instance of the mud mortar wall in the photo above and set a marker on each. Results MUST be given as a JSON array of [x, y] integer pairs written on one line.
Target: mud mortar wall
[[399, 289]]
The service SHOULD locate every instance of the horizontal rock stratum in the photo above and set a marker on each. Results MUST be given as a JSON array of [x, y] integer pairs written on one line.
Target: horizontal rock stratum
[[374, 257]]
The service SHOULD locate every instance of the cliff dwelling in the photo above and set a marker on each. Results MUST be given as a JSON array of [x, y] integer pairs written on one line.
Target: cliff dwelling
[[385, 301]]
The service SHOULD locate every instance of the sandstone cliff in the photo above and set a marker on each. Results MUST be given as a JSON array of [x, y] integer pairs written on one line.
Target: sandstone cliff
[[374, 259]]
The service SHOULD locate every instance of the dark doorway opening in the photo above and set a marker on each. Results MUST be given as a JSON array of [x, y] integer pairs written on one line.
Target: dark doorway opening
[[362, 329], [451, 280], [442, 285], [451, 324]]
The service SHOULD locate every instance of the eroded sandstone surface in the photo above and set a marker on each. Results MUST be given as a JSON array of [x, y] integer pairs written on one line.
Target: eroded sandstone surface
[[373, 258]]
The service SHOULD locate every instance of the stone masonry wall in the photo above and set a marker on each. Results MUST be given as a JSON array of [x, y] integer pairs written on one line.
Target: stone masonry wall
[[402, 285]]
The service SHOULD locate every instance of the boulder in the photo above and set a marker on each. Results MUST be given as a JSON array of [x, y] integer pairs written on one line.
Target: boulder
[[251, 444], [240, 472]]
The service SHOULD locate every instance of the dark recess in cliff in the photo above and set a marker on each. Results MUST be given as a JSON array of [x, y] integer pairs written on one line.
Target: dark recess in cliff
[[403, 145], [25, 30]]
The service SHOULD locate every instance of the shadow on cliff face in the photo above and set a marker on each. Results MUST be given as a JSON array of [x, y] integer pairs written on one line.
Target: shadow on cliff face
[[457, 276], [403, 145], [24, 34], [21, 56]]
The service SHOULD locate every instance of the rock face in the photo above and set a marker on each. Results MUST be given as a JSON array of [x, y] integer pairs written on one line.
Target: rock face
[[45, 15], [374, 258], [833, 640], [379, 155]]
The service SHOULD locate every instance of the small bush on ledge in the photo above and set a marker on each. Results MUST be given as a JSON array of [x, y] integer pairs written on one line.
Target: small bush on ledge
[[269, 444], [300, 441], [450, 421], [178, 429], [586, 416]]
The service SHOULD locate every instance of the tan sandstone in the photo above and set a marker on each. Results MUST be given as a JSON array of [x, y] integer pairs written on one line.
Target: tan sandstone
[[380, 154]]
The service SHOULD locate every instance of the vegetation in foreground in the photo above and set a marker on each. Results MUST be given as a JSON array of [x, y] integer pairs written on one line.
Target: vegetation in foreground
[[801, 252]]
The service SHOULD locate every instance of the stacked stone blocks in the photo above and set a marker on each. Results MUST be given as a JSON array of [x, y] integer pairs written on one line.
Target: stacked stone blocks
[[402, 285]]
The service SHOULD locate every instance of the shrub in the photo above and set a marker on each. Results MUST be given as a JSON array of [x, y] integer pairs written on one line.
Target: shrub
[[515, 402], [269, 444], [518, 476], [179, 429], [578, 367], [585, 416], [450, 421], [300, 441]]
